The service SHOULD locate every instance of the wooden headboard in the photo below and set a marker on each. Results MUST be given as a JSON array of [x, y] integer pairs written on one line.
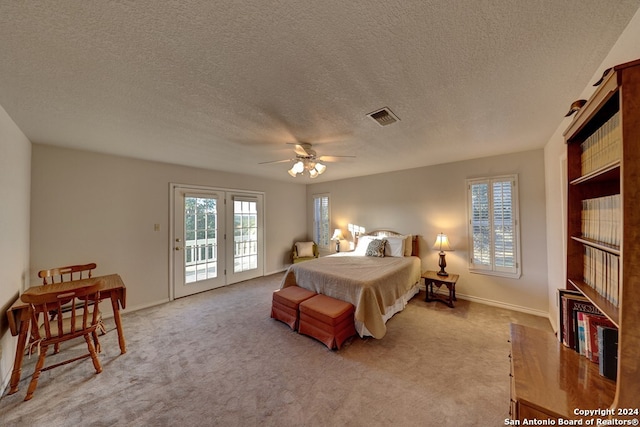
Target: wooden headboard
[[415, 248]]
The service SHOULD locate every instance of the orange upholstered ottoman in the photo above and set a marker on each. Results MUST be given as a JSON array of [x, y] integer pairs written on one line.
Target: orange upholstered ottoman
[[327, 319], [284, 306]]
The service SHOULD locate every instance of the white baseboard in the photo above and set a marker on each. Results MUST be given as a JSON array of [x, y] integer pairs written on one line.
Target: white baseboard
[[277, 271], [505, 305], [109, 313], [494, 303]]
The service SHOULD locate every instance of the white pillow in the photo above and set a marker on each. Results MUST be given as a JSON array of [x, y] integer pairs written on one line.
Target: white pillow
[[395, 246], [363, 244], [305, 249], [408, 245]]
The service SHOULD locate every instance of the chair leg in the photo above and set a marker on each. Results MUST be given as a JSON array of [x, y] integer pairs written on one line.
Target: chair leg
[[94, 355], [96, 342], [36, 373]]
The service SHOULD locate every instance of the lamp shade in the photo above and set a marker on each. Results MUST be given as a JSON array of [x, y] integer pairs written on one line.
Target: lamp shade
[[337, 234], [298, 167], [442, 243]]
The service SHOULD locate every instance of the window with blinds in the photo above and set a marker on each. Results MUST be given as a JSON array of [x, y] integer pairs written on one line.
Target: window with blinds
[[321, 220], [493, 226]]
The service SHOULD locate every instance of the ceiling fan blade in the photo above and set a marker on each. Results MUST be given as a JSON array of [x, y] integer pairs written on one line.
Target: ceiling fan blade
[[334, 158], [276, 161], [303, 149]]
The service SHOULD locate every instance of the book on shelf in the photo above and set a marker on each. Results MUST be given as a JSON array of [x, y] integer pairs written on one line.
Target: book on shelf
[[600, 219], [603, 146], [581, 341], [577, 317], [573, 329], [601, 271], [565, 300], [592, 322], [608, 352]]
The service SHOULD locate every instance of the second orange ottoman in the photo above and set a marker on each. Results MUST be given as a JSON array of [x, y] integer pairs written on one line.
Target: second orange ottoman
[[327, 319]]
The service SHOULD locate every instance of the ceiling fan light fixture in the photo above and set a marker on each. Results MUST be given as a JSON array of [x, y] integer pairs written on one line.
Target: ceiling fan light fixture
[[307, 159]]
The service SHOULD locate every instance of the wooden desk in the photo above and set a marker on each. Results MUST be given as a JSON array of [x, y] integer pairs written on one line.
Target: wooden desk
[[431, 278], [19, 317], [549, 380]]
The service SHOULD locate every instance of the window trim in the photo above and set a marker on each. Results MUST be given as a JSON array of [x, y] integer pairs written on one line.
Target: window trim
[[492, 269], [316, 237]]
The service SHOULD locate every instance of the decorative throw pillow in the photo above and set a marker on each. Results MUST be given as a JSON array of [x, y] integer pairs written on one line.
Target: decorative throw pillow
[[376, 248], [408, 245], [304, 249]]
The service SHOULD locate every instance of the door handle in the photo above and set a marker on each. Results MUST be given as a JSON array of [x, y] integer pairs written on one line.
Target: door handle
[[178, 248]]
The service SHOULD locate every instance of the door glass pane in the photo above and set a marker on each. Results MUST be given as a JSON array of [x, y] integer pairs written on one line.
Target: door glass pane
[[245, 235], [200, 248]]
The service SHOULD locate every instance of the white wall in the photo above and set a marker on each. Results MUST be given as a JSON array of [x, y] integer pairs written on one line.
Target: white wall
[[626, 49], [15, 181], [429, 200], [89, 207]]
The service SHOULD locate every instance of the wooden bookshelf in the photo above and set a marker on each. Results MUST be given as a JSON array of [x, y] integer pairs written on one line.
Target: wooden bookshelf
[[618, 95]]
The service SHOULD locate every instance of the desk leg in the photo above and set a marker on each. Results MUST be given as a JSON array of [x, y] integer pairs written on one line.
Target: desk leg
[[452, 295], [428, 290], [116, 317], [17, 364]]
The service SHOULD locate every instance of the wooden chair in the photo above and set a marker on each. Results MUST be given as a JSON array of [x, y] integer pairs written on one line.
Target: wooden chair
[[49, 276], [66, 274], [84, 320]]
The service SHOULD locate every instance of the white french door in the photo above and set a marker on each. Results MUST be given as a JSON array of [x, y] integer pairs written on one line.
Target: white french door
[[216, 238]]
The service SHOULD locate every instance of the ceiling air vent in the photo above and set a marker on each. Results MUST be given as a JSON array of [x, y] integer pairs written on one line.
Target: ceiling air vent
[[384, 116]]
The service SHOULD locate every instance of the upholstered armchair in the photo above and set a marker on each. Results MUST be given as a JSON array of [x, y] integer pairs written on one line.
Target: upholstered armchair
[[304, 251]]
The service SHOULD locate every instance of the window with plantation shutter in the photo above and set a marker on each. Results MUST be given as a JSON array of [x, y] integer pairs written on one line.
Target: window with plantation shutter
[[321, 220], [493, 226]]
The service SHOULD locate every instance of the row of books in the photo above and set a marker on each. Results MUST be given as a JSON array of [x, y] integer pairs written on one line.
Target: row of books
[[586, 330], [604, 146], [601, 219], [602, 273]]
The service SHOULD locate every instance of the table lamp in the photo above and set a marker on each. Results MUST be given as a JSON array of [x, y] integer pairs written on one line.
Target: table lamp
[[337, 236], [442, 244]]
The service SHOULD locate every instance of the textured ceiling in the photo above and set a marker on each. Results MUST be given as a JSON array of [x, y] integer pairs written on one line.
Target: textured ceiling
[[226, 85]]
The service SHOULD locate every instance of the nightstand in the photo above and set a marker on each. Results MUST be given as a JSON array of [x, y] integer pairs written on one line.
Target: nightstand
[[432, 279]]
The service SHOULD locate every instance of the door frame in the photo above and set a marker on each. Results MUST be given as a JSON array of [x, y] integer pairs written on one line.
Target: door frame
[[228, 242]]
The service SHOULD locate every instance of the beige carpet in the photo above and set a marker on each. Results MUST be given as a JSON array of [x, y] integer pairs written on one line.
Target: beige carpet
[[217, 359]]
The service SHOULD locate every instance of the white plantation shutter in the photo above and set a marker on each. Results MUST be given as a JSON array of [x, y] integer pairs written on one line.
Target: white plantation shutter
[[480, 225], [321, 220], [493, 226]]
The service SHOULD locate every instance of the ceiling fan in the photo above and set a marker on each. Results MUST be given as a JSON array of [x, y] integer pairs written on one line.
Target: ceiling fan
[[307, 159]]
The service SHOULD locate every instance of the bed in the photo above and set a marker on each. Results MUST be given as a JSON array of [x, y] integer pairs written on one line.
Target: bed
[[378, 286]]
